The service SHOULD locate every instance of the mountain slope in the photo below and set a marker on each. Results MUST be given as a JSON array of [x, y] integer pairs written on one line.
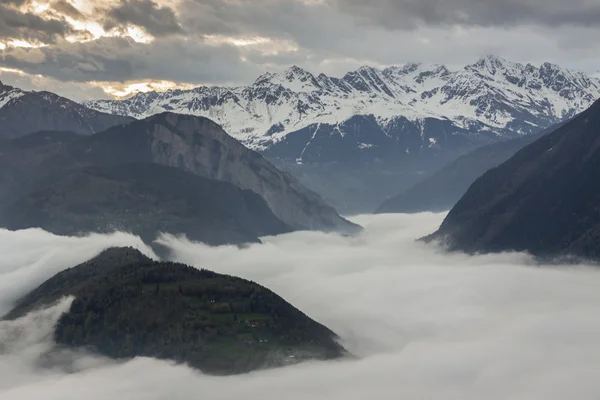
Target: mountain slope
[[143, 199], [544, 200], [414, 108], [126, 306], [193, 144], [24, 112], [443, 189]]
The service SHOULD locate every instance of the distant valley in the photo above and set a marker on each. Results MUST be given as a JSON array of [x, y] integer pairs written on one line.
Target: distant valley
[[444, 188]]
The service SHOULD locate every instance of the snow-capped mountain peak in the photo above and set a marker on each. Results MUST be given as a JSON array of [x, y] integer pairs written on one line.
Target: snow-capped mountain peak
[[492, 96], [294, 78], [418, 77], [9, 93], [369, 80]]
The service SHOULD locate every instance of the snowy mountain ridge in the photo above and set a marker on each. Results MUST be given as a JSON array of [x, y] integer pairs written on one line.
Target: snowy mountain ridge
[[492, 96], [8, 93]]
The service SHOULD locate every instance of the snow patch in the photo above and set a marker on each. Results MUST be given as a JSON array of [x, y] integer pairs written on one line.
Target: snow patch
[[10, 95]]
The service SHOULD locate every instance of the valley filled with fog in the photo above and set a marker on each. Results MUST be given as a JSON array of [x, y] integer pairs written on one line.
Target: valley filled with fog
[[423, 324]]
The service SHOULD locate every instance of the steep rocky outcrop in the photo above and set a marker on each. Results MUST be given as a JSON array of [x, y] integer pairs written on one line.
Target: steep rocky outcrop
[[193, 144], [127, 305], [544, 200]]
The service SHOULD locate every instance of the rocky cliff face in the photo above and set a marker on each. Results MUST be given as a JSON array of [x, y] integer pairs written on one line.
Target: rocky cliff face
[[201, 146], [193, 144]]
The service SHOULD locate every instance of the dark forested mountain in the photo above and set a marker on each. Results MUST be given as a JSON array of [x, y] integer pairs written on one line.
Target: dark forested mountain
[[41, 173], [23, 112], [143, 199], [127, 305], [545, 199], [443, 189]]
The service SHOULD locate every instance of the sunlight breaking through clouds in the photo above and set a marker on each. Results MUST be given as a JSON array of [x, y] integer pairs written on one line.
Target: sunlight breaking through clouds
[[127, 89], [249, 38], [85, 18]]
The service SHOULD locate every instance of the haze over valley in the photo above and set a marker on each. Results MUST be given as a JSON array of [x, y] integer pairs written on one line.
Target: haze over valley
[[420, 321]]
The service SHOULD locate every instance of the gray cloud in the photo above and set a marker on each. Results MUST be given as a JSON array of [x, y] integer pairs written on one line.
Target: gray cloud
[[65, 8], [75, 90], [17, 3], [158, 21], [423, 323], [407, 14], [30, 27], [122, 59], [298, 20], [331, 36]]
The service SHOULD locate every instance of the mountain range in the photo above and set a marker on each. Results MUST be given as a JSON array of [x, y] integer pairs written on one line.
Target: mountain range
[[371, 113], [375, 133], [354, 140]]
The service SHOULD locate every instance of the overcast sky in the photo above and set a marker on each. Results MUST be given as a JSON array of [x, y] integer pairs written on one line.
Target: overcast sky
[[103, 48]]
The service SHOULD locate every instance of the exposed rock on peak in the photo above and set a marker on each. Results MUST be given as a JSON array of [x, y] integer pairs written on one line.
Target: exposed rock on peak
[[201, 146]]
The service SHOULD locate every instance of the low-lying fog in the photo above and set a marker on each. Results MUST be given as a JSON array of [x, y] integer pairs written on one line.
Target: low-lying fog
[[425, 325]]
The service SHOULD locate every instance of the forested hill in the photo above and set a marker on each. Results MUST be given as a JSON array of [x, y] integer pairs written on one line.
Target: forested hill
[[127, 305]]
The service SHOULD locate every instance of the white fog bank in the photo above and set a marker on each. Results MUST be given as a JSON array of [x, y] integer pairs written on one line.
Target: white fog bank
[[425, 324]]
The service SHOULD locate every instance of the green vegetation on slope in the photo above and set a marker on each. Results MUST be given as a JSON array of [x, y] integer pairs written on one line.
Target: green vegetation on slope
[[126, 305]]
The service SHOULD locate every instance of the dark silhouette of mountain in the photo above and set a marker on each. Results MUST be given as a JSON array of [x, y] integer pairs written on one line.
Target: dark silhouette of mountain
[[443, 189], [192, 144], [127, 305], [24, 112], [143, 199], [544, 200]]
